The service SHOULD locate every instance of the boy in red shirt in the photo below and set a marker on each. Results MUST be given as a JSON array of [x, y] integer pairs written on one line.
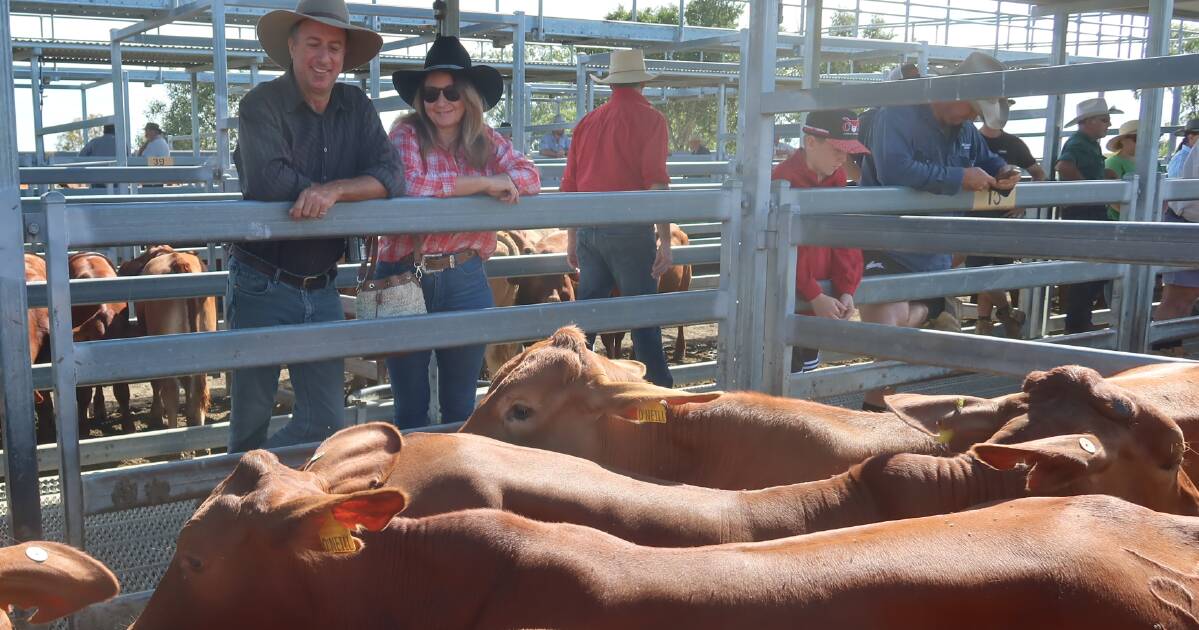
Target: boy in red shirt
[[830, 137]]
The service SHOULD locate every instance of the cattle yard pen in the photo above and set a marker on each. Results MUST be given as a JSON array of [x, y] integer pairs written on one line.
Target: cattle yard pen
[[752, 300]]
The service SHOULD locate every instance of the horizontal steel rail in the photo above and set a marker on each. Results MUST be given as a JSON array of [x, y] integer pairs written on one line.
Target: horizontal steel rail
[[674, 169], [114, 174], [123, 289], [1171, 244], [1179, 189], [974, 353], [1103, 76], [128, 359], [73, 126], [1171, 329], [101, 225], [970, 280], [883, 200]]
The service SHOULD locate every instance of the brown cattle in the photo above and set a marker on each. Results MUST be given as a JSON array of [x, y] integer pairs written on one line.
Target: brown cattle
[[676, 279], [1138, 460], [270, 548], [93, 322], [134, 266], [56, 579], [39, 351], [560, 396], [547, 289], [503, 290], [167, 317]]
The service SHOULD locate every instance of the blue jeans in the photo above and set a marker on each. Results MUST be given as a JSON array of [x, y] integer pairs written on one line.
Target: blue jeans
[[254, 300], [623, 257], [462, 288]]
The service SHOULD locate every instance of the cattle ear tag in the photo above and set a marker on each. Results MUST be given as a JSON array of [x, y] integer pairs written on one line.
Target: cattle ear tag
[[1087, 445], [37, 554], [335, 537], [652, 412]]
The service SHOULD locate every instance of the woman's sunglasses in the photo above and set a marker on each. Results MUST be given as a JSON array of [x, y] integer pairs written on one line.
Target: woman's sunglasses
[[431, 94]]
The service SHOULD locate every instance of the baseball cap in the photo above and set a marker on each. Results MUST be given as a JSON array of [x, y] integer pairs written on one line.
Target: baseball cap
[[837, 126]]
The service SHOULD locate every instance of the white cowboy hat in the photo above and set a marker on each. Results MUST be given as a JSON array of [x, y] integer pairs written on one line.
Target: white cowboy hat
[[1129, 128], [625, 67], [993, 111], [1092, 107], [362, 44]]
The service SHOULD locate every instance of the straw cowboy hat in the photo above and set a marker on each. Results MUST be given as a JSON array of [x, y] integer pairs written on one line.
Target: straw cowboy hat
[[625, 67], [1129, 128], [447, 54], [1092, 107], [362, 44], [994, 111], [1191, 127]]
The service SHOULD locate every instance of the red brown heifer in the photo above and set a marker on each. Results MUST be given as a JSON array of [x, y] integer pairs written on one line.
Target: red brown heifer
[[93, 322], [503, 290], [167, 317], [39, 351], [443, 473], [676, 279], [549, 289], [560, 396], [56, 579], [270, 548]]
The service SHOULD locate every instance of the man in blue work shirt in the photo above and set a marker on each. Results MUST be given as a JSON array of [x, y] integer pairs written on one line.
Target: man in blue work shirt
[[934, 148]]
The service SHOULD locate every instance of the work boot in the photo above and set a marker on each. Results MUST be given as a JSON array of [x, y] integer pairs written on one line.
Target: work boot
[[984, 326], [945, 322], [1012, 319]]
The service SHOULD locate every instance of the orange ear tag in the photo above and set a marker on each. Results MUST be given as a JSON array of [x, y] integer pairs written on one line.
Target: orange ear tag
[[335, 537], [654, 412]]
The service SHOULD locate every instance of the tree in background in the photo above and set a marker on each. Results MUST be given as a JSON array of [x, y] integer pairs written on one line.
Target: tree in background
[[175, 115], [694, 117], [73, 141], [1190, 93], [844, 24]]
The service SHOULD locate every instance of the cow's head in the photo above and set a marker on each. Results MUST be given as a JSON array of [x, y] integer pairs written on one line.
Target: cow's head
[[544, 289], [1094, 437], [559, 395], [56, 579], [253, 554], [134, 266]]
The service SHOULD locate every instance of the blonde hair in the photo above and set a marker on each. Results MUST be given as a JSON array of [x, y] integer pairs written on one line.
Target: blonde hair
[[473, 140]]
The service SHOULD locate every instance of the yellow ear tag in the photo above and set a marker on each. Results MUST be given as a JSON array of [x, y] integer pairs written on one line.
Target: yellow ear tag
[[654, 412], [335, 537], [960, 403]]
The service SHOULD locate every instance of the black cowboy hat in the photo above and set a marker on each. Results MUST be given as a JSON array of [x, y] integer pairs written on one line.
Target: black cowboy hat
[[448, 55]]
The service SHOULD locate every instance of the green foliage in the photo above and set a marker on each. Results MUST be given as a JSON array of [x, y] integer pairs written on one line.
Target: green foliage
[[843, 26], [174, 115], [74, 140], [1190, 93]]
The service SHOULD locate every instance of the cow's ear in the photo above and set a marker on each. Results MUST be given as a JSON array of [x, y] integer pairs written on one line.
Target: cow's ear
[[636, 368], [361, 457], [643, 402], [335, 515], [936, 414], [55, 579], [1054, 462]]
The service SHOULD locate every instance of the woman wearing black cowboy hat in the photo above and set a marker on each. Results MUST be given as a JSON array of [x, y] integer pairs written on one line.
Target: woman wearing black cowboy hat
[[448, 150]]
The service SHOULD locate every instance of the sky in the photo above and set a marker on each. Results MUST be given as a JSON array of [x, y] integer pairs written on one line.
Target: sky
[[61, 106]]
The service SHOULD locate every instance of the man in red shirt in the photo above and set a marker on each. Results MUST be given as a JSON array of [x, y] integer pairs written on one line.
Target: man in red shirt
[[829, 139], [622, 145]]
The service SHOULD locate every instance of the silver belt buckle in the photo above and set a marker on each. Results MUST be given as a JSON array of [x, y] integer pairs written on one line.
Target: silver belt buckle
[[423, 269]]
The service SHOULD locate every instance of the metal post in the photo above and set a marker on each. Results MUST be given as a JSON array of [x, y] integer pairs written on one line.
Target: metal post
[[519, 88], [580, 86], [755, 148], [1176, 98], [220, 77], [811, 46], [119, 109], [1137, 295], [375, 67], [633, 12], [16, 397], [452, 25], [35, 88], [66, 417], [87, 133], [722, 125], [682, 21], [254, 74], [195, 103]]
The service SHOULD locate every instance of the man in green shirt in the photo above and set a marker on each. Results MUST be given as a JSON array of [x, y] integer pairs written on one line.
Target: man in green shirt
[[1082, 159], [1122, 162]]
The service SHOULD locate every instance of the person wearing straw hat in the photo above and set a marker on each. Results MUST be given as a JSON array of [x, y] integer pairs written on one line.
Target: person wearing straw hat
[[310, 141], [1122, 161], [447, 150], [1082, 159], [1189, 134], [931, 147], [622, 145], [1180, 289]]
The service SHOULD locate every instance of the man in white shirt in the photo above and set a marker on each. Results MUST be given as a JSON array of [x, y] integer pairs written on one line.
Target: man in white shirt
[[155, 144]]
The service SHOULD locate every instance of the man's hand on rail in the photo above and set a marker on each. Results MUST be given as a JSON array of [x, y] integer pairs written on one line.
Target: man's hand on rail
[[975, 179], [828, 307], [847, 301], [1007, 178], [314, 202]]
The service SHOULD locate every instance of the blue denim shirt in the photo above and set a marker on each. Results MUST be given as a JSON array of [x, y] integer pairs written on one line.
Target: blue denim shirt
[[910, 147]]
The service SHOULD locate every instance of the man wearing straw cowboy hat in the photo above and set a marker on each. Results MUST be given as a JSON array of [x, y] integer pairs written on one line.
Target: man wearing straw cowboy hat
[[932, 147], [1082, 159], [308, 140], [622, 145]]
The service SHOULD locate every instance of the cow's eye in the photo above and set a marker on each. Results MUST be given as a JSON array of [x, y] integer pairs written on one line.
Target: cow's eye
[[193, 563], [519, 412]]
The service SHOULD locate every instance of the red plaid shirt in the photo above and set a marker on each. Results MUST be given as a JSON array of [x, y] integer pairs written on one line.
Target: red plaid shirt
[[436, 175]]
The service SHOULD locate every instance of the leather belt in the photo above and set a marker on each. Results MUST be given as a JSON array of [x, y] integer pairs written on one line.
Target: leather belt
[[308, 283], [433, 263]]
